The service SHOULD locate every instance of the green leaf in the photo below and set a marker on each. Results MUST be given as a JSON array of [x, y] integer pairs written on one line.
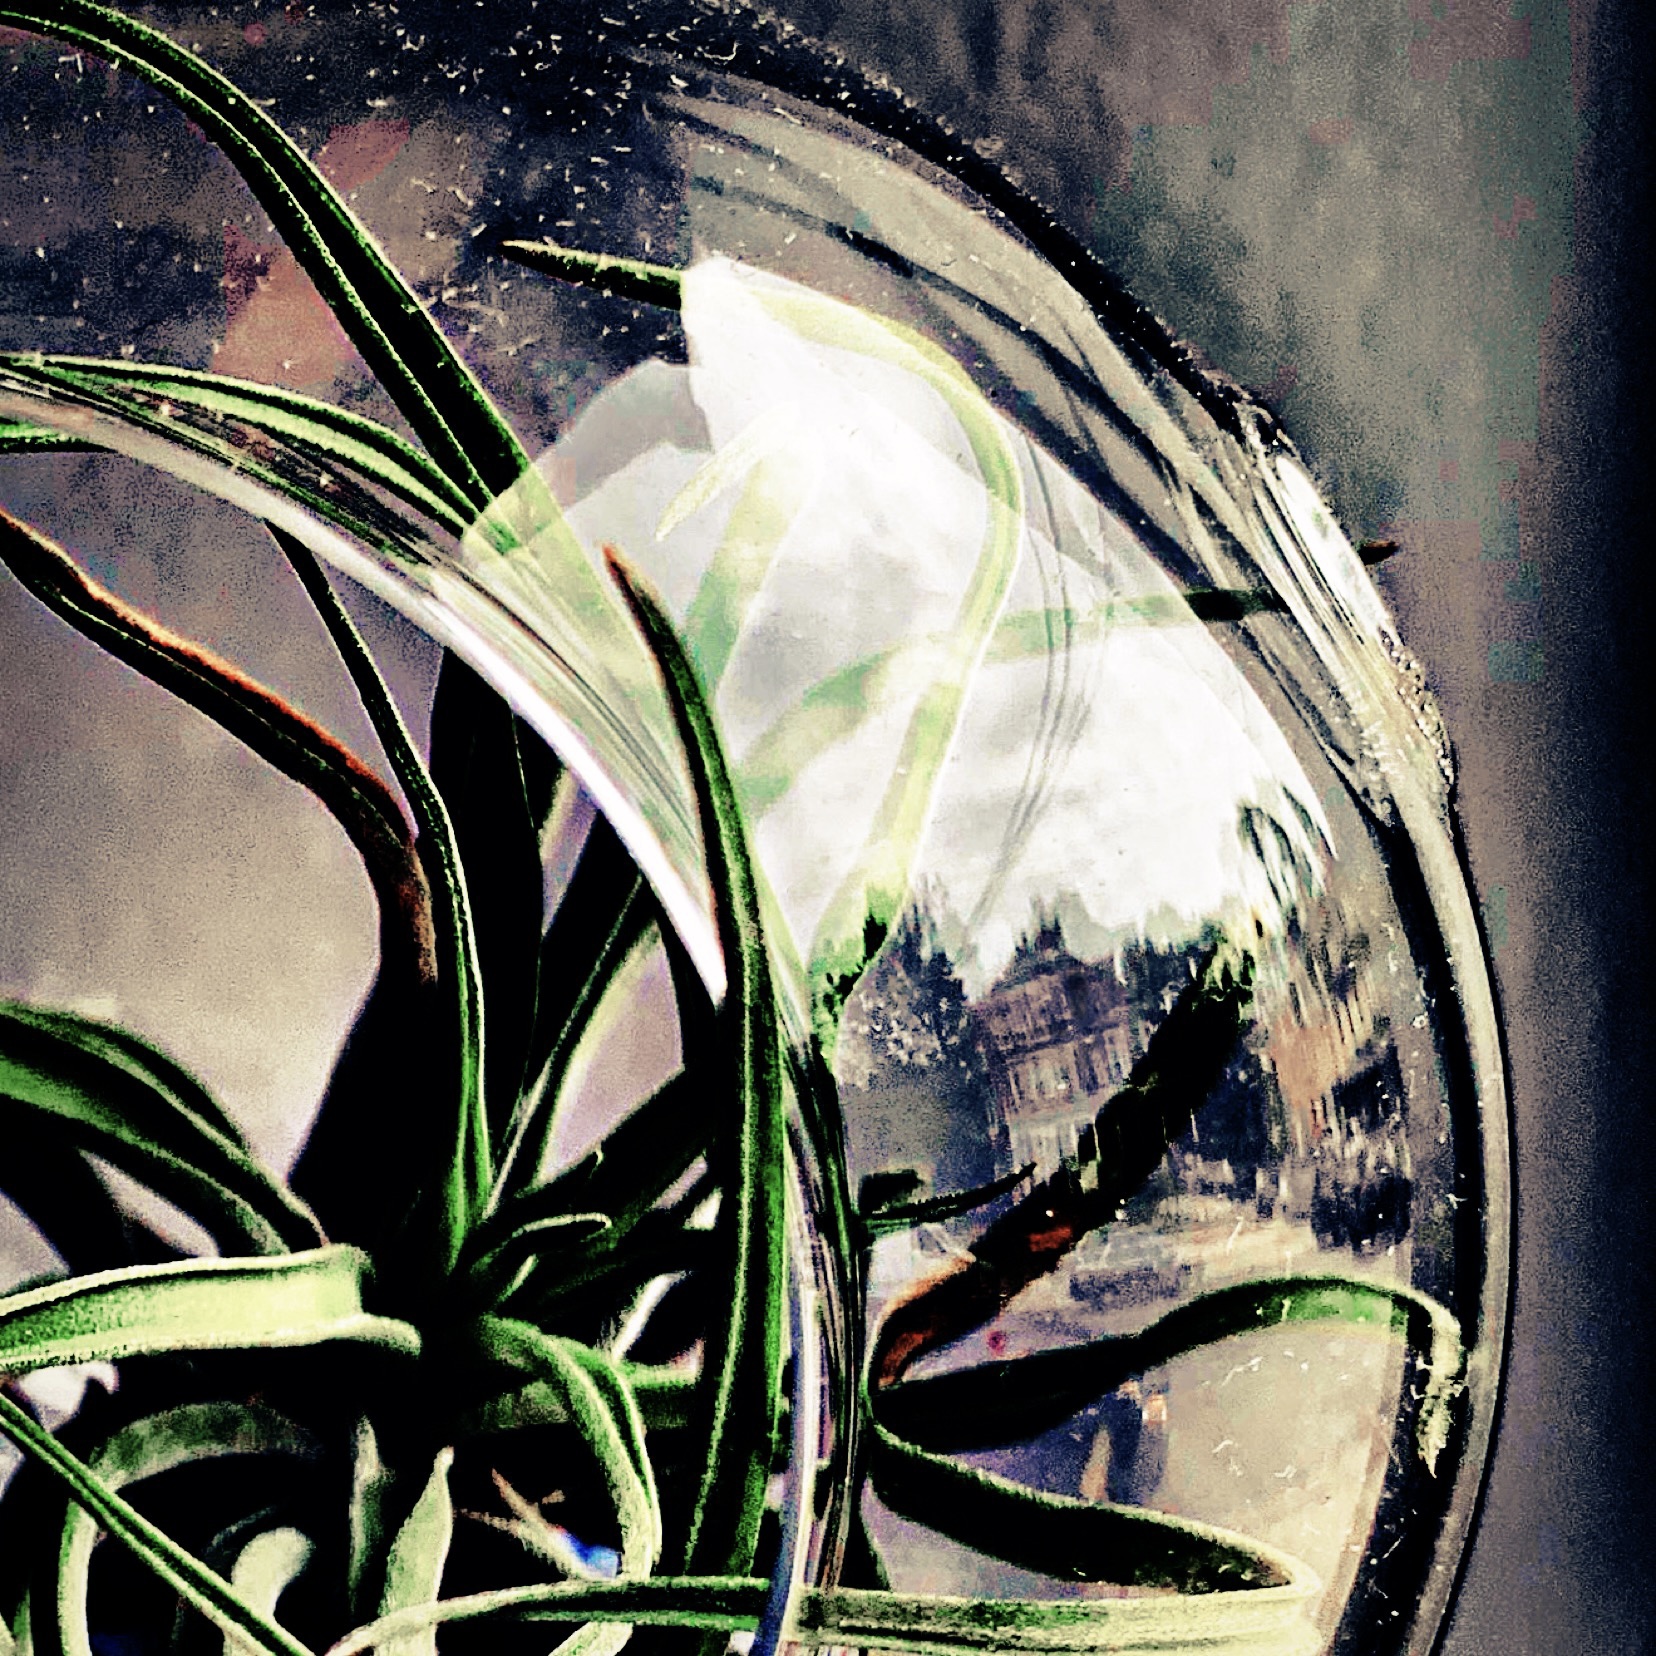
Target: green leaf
[[582, 1287], [147, 1448], [599, 1401], [836, 709], [383, 318], [595, 1396], [414, 1565], [103, 1090], [297, 1299], [623, 1414], [1123, 1145], [454, 1167], [830, 712], [241, 460], [744, 1351], [495, 1259], [200, 1587], [478, 766], [626, 278], [1265, 1621], [297, 747], [664, 1395], [1064, 1536], [372, 1486], [1014, 1400], [264, 1569], [200, 405], [24, 437], [715, 1603], [901, 1216], [777, 479], [622, 1180], [603, 916], [871, 895]]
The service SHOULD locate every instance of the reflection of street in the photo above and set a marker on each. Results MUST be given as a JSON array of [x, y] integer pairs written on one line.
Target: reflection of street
[[1307, 1155], [1281, 1434]]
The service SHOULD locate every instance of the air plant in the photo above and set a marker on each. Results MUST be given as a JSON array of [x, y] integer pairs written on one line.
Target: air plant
[[395, 1410]]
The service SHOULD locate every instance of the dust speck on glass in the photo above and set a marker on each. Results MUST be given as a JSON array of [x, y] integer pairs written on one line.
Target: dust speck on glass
[[730, 920]]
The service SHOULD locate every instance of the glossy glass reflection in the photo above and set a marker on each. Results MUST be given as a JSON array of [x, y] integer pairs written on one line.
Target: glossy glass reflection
[[1100, 822]]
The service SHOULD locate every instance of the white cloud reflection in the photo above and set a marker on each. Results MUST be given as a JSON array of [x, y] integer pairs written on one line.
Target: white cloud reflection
[[1107, 744]]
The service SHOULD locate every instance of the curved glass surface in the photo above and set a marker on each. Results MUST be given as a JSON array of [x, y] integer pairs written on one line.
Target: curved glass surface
[[1101, 821]]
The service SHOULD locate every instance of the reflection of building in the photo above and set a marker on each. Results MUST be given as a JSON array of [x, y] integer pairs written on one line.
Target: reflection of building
[[1338, 1076], [1322, 1034], [1059, 1035], [1055, 1034]]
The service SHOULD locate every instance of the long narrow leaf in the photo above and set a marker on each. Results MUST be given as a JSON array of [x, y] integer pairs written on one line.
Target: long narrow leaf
[[283, 737], [600, 1404], [25, 437], [148, 1448], [836, 709], [1061, 1535], [638, 1162], [712, 1603], [582, 1286], [89, 1086], [455, 1166], [1261, 1621], [603, 915], [419, 1550], [1265, 1621], [478, 764], [157, 392], [653, 284], [298, 1299], [207, 1591], [1010, 1401], [495, 1269], [436, 393], [1163, 1093], [869, 898], [777, 478], [744, 1355], [901, 1216]]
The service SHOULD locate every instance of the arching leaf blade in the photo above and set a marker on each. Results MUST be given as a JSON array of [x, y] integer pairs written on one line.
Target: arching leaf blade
[[99, 1089], [202, 1588], [744, 1355], [299, 1299]]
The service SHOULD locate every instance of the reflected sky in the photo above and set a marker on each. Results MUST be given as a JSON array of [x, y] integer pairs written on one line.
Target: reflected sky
[[1106, 745]]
